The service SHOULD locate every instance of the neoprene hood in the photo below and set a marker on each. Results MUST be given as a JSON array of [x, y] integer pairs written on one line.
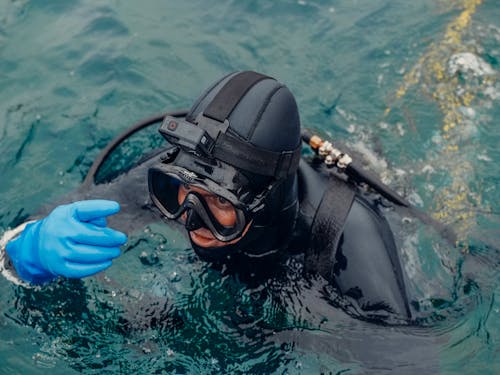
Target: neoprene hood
[[240, 140]]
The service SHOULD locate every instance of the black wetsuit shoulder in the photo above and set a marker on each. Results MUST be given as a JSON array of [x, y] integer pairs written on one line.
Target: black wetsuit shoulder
[[365, 268]]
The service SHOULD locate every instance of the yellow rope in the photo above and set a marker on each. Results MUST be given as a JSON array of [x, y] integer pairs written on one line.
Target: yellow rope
[[455, 203]]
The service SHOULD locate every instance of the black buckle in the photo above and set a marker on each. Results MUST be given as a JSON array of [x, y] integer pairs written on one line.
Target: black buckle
[[287, 161], [186, 135], [213, 127], [284, 163]]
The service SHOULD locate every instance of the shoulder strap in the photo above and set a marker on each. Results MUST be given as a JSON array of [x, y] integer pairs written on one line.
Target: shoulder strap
[[327, 227]]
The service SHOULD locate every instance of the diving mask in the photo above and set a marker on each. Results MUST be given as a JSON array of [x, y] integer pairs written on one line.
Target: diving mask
[[181, 194]]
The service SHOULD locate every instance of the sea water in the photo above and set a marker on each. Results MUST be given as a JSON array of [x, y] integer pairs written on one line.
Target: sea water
[[412, 86]]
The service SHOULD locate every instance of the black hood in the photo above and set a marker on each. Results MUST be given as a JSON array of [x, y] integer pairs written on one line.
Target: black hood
[[257, 113]]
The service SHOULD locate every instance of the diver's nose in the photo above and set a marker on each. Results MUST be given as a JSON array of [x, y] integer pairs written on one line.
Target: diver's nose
[[193, 221]]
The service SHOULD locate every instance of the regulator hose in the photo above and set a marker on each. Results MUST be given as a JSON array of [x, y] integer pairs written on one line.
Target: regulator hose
[[99, 161], [336, 158]]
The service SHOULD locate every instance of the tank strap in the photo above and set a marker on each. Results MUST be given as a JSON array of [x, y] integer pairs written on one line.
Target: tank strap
[[327, 227]]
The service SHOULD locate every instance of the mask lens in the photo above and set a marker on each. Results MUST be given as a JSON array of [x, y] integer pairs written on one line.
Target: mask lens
[[164, 192]]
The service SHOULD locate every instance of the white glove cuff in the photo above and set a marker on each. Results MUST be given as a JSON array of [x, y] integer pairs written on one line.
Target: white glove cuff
[[6, 268]]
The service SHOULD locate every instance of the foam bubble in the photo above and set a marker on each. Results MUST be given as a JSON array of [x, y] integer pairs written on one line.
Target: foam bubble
[[467, 62]]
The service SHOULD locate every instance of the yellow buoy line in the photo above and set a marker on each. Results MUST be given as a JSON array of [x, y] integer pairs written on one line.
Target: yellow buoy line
[[451, 75]]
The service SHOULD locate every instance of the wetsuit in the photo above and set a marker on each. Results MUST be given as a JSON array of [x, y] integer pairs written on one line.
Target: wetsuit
[[241, 141], [350, 244], [359, 259]]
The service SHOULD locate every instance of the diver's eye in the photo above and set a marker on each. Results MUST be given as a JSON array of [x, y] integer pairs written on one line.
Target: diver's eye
[[222, 201]]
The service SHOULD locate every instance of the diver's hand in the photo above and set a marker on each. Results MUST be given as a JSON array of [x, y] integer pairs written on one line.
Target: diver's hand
[[73, 241]]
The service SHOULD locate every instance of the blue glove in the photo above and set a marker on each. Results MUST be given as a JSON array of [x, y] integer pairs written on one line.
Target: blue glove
[[72, 241]]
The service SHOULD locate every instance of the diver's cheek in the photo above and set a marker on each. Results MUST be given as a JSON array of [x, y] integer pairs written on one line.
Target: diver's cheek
[[205, 239]]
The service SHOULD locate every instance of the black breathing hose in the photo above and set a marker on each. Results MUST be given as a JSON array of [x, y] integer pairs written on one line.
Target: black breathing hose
[[98, 162], [359, 175]]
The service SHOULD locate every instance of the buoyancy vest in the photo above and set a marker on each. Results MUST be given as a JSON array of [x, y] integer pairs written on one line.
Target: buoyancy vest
[[349, 243]]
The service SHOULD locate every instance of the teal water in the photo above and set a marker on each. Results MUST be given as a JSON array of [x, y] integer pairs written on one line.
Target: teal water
[[411, 85]]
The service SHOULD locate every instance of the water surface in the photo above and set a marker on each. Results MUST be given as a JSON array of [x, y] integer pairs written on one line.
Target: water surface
[[412, 85]]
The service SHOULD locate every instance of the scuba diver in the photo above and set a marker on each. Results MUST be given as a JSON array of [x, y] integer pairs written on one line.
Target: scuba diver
[[233, 175]]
